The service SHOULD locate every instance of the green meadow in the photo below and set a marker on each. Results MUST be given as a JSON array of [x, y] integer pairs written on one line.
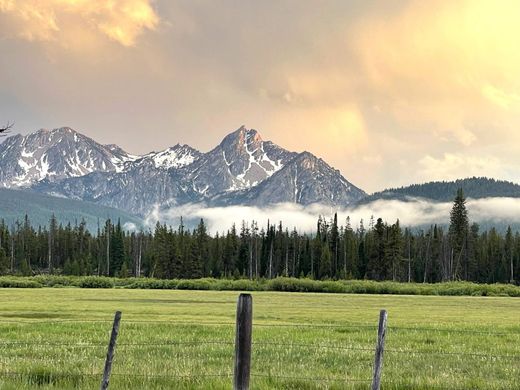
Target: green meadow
[[56, 338]]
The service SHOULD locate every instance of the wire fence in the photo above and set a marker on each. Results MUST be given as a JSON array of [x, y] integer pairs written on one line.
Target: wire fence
[[124, 371], [355, 326]]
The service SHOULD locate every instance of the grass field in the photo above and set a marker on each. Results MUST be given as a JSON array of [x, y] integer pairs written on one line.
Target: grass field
[[171, 339]]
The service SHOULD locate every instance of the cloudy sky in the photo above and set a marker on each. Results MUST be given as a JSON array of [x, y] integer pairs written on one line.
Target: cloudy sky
[[389, 92]]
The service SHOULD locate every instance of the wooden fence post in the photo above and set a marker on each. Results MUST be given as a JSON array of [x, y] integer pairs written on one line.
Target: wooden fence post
[[111, 351], [244, 330], [380, 347]]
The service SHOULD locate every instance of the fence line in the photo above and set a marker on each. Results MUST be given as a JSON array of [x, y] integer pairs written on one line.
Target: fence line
[[268, 325], [308, 378], [267, 344], [243, 344], [473, 354], [262, 344], [125, 374]]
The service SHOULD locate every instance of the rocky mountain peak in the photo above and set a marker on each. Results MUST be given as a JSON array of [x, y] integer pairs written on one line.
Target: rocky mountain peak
[[54, 155], [242, 138], [242, 169]]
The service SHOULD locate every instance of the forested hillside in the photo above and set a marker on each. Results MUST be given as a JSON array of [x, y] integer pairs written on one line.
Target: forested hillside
[[377, 251], [475, 187], [40, 207]]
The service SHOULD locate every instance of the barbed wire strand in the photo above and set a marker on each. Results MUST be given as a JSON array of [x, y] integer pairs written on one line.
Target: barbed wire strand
[[261, 344], [288, 325], [474, 354], [307, 378]]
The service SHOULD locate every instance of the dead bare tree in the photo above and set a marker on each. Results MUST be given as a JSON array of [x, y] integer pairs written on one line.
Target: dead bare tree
[[4, 130]]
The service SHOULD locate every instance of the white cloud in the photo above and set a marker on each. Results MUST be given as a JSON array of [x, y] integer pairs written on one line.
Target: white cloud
[[416, 212]]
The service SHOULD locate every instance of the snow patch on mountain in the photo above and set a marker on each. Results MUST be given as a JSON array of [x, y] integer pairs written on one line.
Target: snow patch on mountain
[[242, 169]]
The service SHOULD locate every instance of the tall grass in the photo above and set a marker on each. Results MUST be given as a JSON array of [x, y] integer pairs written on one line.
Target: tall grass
[[56, 339], [277, 284]]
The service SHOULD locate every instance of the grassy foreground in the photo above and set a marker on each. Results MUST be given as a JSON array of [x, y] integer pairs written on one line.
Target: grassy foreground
[[277, 284], [171, 339]]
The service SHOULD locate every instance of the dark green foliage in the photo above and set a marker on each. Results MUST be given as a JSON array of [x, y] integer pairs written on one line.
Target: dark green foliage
[[336, 251], [325, 263], [475, 187], [25, 269], [95, 282], [17, 282], [277, 284], [123, 272], [458, 236], [4, 262]]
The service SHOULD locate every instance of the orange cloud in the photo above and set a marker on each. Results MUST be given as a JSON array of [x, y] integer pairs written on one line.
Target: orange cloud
[[48, 20], [445, 65]]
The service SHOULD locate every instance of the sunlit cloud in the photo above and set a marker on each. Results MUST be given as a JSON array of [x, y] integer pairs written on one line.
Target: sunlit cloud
[[445, 66], [389, 92], [51, 20]]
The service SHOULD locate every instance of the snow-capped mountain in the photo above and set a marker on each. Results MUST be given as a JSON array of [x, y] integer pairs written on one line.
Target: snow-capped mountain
[[241, 161], [177, 156], [305, 179], [54, 155], [242, 169]]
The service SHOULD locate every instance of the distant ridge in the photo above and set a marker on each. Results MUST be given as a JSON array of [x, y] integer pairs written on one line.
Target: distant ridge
[[443, 191], [14, 204]]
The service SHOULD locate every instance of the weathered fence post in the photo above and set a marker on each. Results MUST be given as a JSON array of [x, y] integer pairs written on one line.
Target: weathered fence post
[[111, 351], [380, 347], [244, 330]]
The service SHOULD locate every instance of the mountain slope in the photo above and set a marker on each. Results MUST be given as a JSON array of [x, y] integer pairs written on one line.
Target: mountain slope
[[54, 155], [305, 179], [14, 204], [242, 160], [443, 191]]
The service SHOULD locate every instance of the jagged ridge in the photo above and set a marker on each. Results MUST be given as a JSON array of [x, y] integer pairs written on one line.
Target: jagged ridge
[[242, 169]]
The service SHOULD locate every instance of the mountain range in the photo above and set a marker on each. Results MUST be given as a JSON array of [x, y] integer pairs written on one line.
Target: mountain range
[[242, 169]]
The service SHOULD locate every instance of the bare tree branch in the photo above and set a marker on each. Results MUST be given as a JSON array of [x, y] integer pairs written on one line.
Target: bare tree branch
[[4, 130]]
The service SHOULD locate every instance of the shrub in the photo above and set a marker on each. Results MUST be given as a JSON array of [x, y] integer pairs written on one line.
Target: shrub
[[277, 284], [153, 284], [8, 282], [56, 280], [96, 282]]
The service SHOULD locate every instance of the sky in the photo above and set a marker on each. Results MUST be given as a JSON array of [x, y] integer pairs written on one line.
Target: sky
[[388, 92]]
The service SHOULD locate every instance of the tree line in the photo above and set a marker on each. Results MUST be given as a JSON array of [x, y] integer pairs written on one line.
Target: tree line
[[375, 250]]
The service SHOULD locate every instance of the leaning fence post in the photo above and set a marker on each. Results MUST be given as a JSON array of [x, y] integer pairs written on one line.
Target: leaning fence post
[[111, 351], [244, 330], [380, 347]]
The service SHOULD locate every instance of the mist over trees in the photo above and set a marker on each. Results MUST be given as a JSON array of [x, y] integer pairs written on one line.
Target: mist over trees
[[336, 250]]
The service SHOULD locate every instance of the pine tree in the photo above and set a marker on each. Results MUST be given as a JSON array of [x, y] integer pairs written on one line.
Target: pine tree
[[4, 262], [458, 235], [509, 253], [325, 263], [123, 272], [334, 244], [67, 268], [393, 250], [75, 268], [25, 269], [117, 249], [377, 267]]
